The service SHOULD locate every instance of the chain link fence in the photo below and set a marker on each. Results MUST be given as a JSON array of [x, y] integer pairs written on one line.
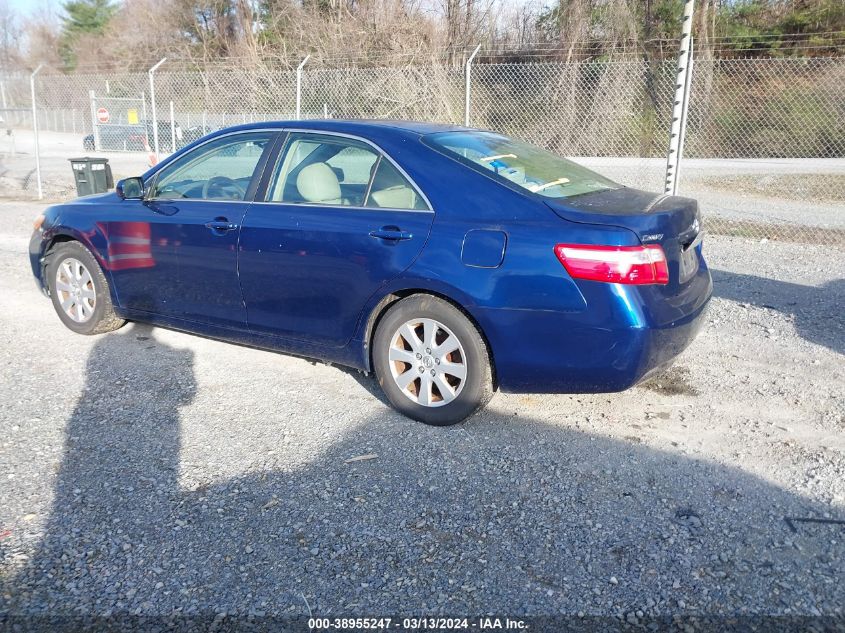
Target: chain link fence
[[764, 149]]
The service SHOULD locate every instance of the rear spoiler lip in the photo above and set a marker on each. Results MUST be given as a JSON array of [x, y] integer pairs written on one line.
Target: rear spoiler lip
[[637, 211]]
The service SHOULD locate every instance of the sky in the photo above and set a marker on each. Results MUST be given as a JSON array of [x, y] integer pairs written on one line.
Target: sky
[[26, 7]]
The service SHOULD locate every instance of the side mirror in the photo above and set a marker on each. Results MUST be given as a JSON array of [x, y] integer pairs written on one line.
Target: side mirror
[[130, 189]]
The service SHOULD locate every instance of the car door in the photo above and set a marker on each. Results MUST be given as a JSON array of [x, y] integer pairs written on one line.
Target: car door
[[339, 219], [175, 254]]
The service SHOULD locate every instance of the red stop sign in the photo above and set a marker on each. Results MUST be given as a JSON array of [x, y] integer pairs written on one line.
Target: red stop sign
[[103, 115]]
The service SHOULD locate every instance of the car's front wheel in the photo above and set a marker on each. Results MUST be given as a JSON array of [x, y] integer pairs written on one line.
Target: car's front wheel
[[79, 290], [431, 361]]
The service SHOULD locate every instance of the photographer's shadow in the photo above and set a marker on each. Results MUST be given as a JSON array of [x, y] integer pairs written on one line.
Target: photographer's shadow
[[501, 514]]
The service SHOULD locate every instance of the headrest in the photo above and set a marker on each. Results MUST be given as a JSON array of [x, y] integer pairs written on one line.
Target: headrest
[[318, 183]]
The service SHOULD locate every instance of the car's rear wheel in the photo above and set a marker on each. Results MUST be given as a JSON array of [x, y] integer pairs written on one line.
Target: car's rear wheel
[[79, 290], [431, 361]]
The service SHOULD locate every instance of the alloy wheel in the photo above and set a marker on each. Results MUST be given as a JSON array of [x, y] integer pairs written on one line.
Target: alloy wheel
[[75, 289], [427, 362]]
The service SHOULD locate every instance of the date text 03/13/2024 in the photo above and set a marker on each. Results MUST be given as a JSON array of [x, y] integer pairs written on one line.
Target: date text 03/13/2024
[[416, 623]]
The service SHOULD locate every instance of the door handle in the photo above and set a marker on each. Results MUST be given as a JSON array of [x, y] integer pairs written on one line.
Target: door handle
[[221, 225], [391, 233]]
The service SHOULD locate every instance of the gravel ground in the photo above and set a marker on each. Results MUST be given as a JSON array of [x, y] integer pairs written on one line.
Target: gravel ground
[[152, 473]]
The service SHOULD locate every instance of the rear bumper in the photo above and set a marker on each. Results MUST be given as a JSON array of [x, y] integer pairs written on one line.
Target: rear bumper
[[544, 352]]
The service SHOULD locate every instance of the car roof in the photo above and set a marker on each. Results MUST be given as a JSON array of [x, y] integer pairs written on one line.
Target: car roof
[[376, 130], [359, 126]]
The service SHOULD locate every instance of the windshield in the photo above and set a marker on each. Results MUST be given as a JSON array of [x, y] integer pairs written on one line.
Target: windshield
[[525, 165]]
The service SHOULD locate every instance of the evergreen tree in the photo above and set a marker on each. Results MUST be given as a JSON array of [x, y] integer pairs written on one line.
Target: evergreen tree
[[82, 17]]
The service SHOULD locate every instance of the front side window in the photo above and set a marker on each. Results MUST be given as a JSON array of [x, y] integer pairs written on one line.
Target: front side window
[[524, 165], [219, 170], [337, 171]]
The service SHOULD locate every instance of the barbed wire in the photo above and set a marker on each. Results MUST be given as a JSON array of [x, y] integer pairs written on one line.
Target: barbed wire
[[830, 43]]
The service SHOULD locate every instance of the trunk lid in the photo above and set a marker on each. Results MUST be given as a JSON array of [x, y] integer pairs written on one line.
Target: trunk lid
[[671, 221], [655, 218]]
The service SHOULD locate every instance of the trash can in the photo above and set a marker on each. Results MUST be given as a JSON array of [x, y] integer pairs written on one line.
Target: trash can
[[92, 175]]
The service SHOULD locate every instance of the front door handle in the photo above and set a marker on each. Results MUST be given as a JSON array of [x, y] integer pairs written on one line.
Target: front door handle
[[221, 225], [391, 233]]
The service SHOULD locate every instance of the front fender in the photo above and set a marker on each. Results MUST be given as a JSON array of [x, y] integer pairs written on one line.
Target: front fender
[[91, 237]]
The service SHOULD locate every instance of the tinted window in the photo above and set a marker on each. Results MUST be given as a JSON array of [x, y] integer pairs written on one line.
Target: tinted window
[[524, 165], [219, 170]]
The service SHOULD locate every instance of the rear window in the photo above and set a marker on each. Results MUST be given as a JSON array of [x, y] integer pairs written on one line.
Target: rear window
[[521, 164]]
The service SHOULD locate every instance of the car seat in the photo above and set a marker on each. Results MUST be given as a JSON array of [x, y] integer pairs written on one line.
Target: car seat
[[390, 190], [318, 183]]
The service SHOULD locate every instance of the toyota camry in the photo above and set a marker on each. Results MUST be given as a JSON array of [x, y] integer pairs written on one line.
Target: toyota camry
[[449, 261]]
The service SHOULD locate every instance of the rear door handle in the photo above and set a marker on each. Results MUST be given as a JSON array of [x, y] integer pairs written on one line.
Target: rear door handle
[[391, 233]]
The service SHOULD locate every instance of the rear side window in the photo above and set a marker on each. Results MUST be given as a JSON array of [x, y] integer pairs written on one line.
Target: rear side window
[[337, 171], [392, 190], [526, 166]]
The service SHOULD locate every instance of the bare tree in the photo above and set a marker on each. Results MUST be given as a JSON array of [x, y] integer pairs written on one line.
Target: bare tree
[[516, 26], [40, 33], [466, 22], [10, 36]]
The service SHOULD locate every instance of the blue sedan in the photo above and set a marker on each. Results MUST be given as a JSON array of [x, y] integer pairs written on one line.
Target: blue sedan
[[449, 261]]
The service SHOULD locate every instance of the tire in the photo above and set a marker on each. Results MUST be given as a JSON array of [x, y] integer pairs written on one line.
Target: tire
[[456, 365], [88, 145], [79, 290]]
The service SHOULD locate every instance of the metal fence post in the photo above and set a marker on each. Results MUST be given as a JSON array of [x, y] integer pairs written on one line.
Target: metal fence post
[[468, 83], [95, 129], [684, 112], [299, 87], [151, 73], [35, 131], [681, 103], [172, 130]]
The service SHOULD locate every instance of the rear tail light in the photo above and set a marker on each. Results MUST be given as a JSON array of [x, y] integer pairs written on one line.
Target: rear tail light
[[615, 264]]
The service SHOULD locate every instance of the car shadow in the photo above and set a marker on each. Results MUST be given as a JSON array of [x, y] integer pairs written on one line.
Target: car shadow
[[368, 381], [817, 310], [501, 514]]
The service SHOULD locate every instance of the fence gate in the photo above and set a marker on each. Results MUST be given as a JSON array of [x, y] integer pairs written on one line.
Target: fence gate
[[119, 123]]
